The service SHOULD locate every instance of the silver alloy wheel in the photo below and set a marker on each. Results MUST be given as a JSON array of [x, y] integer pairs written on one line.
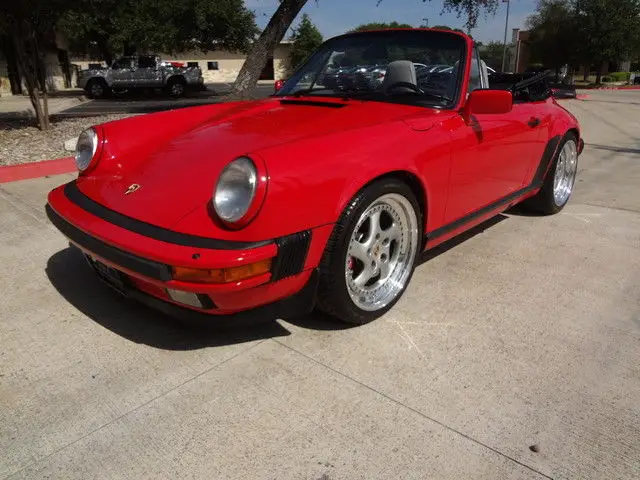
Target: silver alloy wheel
[[565, 174], [177, 88], [381, 252], [97, 90]]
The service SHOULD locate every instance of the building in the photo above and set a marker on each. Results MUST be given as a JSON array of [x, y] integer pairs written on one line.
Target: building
[[58, 71], [218, 66], [521, 58]]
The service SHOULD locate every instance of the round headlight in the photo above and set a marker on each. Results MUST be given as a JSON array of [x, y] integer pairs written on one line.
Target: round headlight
[[235, 190], [86, 148]]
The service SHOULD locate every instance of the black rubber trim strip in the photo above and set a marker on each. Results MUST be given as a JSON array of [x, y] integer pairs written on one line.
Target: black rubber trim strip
[[140, 265], [546, 159], [74, 195], [292, 253], [312, 103], [479, 213], [205, 301]]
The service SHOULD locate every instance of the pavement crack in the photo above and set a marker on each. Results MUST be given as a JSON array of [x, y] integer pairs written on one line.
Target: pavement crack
[[135, 409], [417, 412], [619, 209]]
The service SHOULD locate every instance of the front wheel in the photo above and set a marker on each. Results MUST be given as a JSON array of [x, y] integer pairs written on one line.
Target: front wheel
[[97, 88], [371, 255]]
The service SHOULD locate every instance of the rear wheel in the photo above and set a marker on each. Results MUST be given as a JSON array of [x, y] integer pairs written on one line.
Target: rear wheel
[[97, 88], [558, 184], [371, 255], [176, 87]]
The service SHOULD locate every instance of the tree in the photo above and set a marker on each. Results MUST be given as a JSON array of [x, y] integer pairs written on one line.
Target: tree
[[127, 26], [492, 53], [29, 23], [608, 30], [446, 27], [554, 39], [287, 11], [380, 26], [306, 39]]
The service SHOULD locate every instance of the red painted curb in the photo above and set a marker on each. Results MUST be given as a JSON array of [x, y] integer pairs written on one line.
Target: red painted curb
[[13, 173]]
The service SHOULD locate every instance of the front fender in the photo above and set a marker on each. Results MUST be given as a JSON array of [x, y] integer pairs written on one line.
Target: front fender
[[311, 181]]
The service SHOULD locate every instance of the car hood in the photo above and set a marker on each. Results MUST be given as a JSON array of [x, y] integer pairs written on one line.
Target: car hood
[[177, 172]]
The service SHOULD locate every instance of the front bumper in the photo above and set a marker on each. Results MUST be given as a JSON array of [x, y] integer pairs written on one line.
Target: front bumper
[[144, 254]]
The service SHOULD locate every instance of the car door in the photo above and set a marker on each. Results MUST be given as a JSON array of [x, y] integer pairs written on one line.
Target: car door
[[491, 156], [147, 74], [121, 72]]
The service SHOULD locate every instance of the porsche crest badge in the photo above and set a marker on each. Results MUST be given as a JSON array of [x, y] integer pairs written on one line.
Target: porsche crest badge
[[134, 187]]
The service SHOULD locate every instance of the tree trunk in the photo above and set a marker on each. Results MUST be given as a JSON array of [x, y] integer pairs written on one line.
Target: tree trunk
[[599, 76], [27, 64], [266, 43]]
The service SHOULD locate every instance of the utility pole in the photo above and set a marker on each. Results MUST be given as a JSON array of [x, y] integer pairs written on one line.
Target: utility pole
[[506, 26]]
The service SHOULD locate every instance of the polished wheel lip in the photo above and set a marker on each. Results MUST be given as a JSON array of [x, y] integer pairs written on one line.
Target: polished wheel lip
[[565, 173], [387, 255]]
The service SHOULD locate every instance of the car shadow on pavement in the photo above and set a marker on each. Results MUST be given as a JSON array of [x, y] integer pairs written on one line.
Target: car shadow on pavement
[[72, 277], [463, 237]]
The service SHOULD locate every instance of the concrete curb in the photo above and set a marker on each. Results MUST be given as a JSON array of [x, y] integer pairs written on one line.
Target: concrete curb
[[25, 171]]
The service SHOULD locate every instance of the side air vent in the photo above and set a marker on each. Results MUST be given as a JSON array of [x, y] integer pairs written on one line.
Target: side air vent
[[292, 253]]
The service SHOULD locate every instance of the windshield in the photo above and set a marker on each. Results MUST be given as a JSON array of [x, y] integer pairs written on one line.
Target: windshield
[[414, 66]]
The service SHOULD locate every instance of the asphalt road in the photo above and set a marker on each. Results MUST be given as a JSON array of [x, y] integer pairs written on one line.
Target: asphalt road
[[137, 103], [514, 355]]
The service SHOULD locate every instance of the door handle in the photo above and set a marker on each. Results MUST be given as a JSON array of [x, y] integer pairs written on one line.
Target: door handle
[[534, 122]]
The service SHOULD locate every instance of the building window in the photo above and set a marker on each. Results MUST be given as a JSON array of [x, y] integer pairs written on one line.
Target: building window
[[212, 65], [193, 64]]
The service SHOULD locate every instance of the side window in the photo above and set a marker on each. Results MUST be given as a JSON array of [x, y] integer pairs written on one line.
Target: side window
[[147, 61], [474, 75], [122, 62]]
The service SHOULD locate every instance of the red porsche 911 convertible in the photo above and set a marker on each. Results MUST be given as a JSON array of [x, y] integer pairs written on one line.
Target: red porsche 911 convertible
[[324, 194]]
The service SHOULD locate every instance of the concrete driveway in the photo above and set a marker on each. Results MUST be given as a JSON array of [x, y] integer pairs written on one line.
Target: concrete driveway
[[515, 354]]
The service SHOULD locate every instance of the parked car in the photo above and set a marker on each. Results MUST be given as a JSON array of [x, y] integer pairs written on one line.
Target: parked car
[[140, 71], [317, 196]]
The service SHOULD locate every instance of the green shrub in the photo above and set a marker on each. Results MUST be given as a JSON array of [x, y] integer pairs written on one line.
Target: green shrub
[[606, 79], [620, 76]]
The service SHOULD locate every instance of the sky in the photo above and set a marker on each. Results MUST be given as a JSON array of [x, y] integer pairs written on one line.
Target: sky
[[333, 17]]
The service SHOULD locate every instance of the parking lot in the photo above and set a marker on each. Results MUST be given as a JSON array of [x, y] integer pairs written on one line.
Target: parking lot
[[515, 354], [148, 103]]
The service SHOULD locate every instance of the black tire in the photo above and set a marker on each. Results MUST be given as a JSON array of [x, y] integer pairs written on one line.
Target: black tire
[[176, 87], [544, 202], [333, 295], [97, 88]]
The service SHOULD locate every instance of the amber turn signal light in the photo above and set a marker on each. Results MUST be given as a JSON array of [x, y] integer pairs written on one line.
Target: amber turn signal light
[[222, 275]]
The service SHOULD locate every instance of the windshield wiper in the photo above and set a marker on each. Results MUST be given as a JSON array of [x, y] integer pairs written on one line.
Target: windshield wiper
[[356, 93], [437, 96], [308, 91]]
